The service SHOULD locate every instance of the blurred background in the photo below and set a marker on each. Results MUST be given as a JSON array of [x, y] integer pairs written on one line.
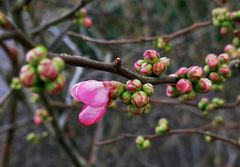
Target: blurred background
[[119, 19]]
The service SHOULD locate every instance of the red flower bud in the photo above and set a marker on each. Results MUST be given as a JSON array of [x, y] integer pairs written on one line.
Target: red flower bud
[[182, 72], [139, 99], [146, 69], [212, 61], [225, 71], [158, 68], [28, 76], [184, 86], [133, 85], [138, 65], [195, 73], [204, 85], [35, 55], [214, 77], [224, 31], [172, 91], [224, 58], [56, 86], [87, 22], [151, 56], [47, 70]]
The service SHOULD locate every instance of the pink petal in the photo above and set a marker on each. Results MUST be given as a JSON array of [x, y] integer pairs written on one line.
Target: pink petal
[[90, 115], [92, 93]]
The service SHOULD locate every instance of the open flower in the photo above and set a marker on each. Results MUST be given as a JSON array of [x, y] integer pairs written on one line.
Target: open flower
[[96, 97]]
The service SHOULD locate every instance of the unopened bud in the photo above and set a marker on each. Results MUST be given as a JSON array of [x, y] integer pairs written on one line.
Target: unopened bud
[[151, 56], [146, 69], [184, 86], [35, 55], [139, 99], [148, 89], [195, 73], [28, 76], [133, 85]]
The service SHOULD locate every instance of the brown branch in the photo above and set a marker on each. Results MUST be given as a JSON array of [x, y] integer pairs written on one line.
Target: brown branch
[[58, 20], [172, 132], [7, 35], [4, 99], [112, 68], [142, 39]]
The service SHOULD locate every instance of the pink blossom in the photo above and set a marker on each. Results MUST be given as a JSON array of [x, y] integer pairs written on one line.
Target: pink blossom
[[182, 72], [95, 96], [151, 56], [195, 73]]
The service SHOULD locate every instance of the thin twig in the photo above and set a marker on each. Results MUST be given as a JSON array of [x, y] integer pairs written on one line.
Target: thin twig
[[143, 39], [58, 20], [172, 132]]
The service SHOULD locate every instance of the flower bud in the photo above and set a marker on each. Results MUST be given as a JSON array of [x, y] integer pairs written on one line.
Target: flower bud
[[47, 70], [225, 71], [146, 69], [172, 91], [16, 84], [126, 97], [187, 97], [195, 73], [166, 61], [229, 49], [158, 68], [148, 89], [212, 61], [206, 69], [204, 85], [182, 72], [87, 22], [138, 65], [151, 56], [56, 86], [32, 137], [35, 55], [83, 12], [214, 77], [116, 88], [133, 85], [28, 76], [217, 87], [146, 144], [203, 103], [139, 99], [218, 101], [224, 30], [139, 140], [137, 110], [184, 86], [59, 63], [38, 120], [224, 58]]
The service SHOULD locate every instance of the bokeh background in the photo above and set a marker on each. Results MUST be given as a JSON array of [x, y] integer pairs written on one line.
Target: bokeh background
[[120, 19]]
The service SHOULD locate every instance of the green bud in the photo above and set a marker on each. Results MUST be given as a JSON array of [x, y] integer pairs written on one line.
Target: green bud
[[16, 84], [146, 144], [32, 137], [139, 140], [59, 63], [148, 89], [126, 97]]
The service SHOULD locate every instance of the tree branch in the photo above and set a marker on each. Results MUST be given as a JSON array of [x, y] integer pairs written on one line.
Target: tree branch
[[167, 38], [58, 20]]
